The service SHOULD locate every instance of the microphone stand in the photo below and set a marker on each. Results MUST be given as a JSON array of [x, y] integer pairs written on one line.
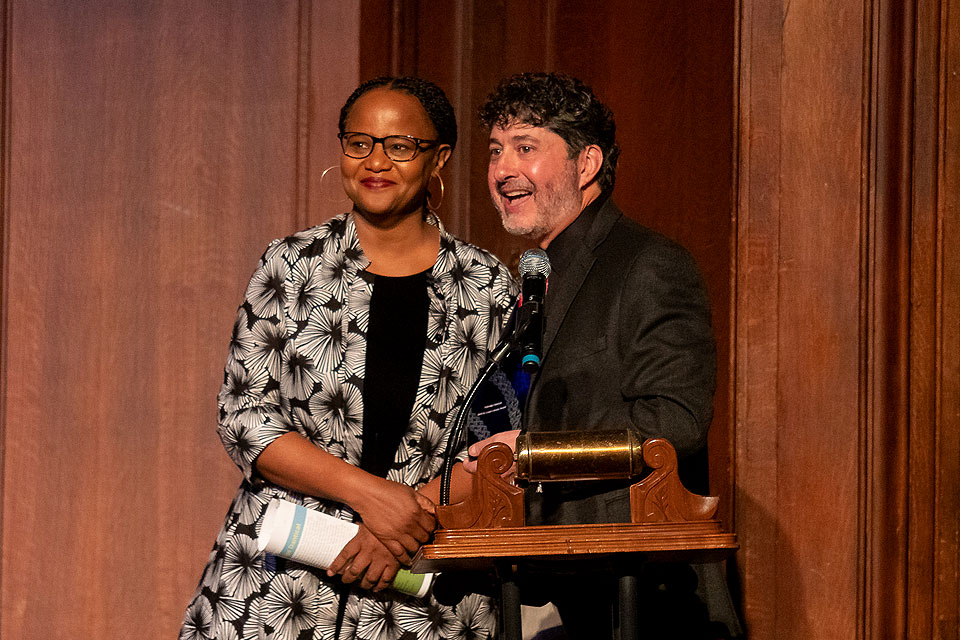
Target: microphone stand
[[457, 434]]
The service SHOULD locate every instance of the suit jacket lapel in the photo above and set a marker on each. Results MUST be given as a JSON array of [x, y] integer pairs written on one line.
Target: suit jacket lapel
[[560, 294]]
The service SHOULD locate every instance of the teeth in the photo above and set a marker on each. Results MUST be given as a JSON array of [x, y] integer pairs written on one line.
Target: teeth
[[508, 190]]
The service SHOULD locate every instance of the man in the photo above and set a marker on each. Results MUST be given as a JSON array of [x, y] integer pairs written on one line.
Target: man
[[627, 340]]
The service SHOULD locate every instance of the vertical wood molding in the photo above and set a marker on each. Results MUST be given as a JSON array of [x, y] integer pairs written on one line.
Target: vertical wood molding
[[304, 60], [924, 301], [758, 203], [934, 503], [456, 209], [333, 59], [406, 40], [910, 520], [884, 245], [732, 319], [4, 254], [947, 588]]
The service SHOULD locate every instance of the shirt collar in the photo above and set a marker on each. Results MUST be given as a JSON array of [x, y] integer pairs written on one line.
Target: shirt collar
[[565, 246]]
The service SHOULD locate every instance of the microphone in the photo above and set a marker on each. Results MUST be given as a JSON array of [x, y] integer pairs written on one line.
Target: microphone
[[534, 271]]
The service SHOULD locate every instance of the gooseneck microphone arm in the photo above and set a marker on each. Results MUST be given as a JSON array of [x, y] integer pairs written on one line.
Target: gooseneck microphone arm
[[528, 332], [457, 434]]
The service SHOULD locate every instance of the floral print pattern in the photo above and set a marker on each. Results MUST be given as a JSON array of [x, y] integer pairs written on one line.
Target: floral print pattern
[[296, 363]]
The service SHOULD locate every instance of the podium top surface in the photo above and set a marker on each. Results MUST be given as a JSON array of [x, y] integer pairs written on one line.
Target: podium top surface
[[473, 549]]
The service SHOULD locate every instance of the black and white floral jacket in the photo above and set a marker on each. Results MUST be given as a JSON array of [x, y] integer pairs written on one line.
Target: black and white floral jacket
[[296, 363]]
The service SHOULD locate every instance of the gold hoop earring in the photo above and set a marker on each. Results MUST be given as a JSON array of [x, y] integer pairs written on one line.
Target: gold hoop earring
[[324, 175], [430, 205]]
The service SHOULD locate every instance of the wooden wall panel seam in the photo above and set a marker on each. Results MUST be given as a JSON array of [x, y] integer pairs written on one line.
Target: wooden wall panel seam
[[397, 36], [549, 35], [868, 201], [457, 210], [4, 255], [736, 145], [304, 57]]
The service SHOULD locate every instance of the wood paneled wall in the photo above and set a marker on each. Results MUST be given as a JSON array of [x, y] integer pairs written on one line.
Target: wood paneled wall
[[798, 317], [152, 150], [806, 153], [846, 319]]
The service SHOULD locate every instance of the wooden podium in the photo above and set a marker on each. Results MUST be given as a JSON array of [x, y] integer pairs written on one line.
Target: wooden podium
[[487, 532]]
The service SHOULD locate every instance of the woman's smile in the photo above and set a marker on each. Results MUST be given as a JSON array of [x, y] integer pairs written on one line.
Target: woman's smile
[[377, 183]]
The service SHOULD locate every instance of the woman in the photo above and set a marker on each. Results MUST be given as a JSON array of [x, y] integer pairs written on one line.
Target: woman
[[354, 343]]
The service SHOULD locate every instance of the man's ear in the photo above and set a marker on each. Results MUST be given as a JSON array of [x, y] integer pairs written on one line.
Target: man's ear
[[588, 164], [443, 155]]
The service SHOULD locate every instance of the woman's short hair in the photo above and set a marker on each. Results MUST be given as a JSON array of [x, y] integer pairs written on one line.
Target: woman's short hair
[[431, 97], [562, 104]]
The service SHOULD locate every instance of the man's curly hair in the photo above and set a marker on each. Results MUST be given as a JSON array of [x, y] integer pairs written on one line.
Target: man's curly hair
[[430, 96], [562, 104]]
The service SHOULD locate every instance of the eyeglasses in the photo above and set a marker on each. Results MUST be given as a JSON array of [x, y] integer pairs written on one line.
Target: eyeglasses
[[398, 148]]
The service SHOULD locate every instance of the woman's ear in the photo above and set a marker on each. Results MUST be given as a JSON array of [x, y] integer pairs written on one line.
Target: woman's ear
[[589, 163], [443, 155]]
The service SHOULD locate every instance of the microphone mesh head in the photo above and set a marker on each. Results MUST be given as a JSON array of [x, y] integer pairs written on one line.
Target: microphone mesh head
[[533, 262]]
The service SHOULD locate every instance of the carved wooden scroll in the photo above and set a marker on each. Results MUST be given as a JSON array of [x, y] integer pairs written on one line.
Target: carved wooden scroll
[[493, 502], [660, 497]]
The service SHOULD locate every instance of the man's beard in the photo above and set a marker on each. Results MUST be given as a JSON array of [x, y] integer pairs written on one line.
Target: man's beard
[[554, 202]]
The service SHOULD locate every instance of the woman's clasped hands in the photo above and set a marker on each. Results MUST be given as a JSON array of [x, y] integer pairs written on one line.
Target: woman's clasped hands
[[396, 520]]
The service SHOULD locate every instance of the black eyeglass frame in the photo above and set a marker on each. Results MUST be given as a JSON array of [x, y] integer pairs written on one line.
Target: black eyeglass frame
[[421, 144]]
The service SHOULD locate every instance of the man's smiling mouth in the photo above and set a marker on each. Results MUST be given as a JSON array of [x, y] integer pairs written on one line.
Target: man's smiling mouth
[[514, 194]]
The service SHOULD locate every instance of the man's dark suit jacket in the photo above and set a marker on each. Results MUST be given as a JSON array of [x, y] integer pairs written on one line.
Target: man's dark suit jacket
[[627, 345]]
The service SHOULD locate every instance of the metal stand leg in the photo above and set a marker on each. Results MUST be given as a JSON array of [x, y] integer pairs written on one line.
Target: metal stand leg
[[627, 606], [510, 604]]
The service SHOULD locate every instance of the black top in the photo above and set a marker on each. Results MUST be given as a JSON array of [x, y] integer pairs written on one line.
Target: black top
[[396, 339]]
